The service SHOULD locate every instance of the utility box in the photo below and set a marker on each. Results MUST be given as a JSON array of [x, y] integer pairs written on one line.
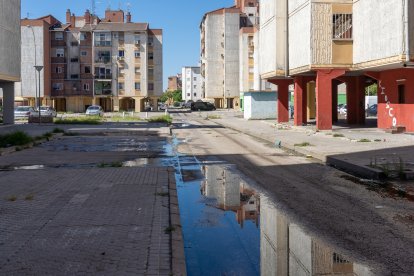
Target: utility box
[[260, 105]]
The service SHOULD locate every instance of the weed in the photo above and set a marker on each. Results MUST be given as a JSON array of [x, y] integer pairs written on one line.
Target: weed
[[48, 135], [118, 119], [18, 149], [161, 119], [17, 138], [377, 140], [338, 135], [169, 229], [110, 165], [162, 194], [303, 144], [80, 121], [329, 133], [12, 198], [58, 130], [364, 140], [29, 197], [70, 134], [401, 193]]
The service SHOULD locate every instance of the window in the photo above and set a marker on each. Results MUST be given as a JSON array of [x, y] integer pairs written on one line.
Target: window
[[150, 86], [195, 78], [137, 70], [57, 86], [267, 85], [137, 54], [58, 36], [150, 72], [83, 36], [74, 76], [195, 94], [84, 53], [59, 70], [121, 86], [151, 56], [86, 86], [60, 52], [150, 41], [137, 86], [87, 69], [195, 86], [121, 53], [342, 26], [188, 94]]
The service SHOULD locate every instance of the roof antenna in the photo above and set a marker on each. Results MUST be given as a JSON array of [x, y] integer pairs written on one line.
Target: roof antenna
[[93, 7], [109, 5], [128, 6]]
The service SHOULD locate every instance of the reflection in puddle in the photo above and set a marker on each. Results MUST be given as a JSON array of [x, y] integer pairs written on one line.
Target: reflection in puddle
[[32, 167], [231, 229]]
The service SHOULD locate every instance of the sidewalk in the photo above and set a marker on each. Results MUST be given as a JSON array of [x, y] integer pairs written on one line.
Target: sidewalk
[[353, 149]]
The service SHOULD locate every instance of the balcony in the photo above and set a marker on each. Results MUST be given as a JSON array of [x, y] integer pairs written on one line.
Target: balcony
[[103, 43], [103, 77], [55, 43], [74, 59], [56, 76], [103, 60], [103, 92], [58, 60]]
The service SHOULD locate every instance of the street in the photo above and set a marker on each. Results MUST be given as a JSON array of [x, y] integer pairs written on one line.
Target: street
[[371, 229]]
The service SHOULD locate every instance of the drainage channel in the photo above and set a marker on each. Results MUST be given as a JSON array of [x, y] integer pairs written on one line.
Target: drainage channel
[[231, 227]]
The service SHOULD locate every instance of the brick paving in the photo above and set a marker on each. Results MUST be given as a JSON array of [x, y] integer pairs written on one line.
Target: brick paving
[[67, 221]]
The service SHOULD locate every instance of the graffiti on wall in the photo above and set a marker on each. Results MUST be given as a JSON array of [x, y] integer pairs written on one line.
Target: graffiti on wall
[[388, 108]]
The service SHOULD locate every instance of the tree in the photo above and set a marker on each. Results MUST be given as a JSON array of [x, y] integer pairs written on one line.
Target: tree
[[171, 96]]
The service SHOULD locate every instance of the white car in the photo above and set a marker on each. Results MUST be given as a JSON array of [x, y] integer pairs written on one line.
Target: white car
[[48, 111], [24, 112], [95, 110]]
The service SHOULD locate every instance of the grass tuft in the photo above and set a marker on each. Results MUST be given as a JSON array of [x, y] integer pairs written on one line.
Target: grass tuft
[[364, 140], [161, 119], [110, 165], [29, 197], [169, 229], [58, 130], [17, 138], [338, 135], [79, 121], [303, 144], [12, 198]]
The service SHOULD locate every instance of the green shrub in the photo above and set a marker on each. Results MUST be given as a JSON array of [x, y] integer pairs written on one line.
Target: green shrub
[[161, 119], [79, 121], [58, 130], [304, 144], [17, 138]]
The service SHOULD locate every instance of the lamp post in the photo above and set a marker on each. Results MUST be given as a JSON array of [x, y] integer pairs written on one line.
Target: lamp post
[[38, 69], [35, 62]]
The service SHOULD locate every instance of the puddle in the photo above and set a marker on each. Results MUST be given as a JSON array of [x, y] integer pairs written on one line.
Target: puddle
[[230, 228]]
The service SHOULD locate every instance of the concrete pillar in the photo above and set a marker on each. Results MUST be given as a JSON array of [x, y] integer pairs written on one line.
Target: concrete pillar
[[95, 100], [116, 104], [282, 99], [154, 103], [8, 102], [324, 97], [300, 102], [139, 104], [355, 98], [311, 100]]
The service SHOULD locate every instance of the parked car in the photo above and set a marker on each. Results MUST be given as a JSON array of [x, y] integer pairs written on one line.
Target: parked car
[[372, 110], [199, 106], [343, 110], [162, 106], [48, 111], [22, 112], [188, 104], [340, 106], [95, 110], [148, 108], [1, 112]]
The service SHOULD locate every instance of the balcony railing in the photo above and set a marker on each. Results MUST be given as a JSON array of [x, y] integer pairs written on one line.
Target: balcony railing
[[58, 60], [104, 92], [68, 92], [103, 60], [58, 43], [103, 76], [103, 43]]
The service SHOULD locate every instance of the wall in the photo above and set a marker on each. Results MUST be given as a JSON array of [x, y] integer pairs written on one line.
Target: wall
[[299, 34], [158, 65], [244, 61], [371, 18], [231, 55], [10, 40], [214, 73], [260, 105]]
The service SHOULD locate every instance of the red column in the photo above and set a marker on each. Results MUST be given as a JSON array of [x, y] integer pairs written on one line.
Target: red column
[[355, 98], [324, 97], [300, 101], [282, 99]]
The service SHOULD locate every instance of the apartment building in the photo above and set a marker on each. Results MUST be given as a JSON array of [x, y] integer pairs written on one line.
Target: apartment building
[[320, 45], [192, 84], [9, 55], [111, 62], [174, 83]]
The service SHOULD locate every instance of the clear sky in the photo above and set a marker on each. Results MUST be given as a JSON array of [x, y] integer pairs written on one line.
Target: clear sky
[[180, 20]]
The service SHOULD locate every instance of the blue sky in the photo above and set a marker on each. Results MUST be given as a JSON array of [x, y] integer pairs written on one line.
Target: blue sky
[[179, 19]]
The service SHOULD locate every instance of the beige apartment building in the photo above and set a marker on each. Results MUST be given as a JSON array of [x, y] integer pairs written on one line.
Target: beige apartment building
[[174, 83], [318, 45], [9, 56]]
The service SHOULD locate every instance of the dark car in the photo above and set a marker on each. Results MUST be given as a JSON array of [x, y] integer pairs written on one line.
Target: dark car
[[188, 104], [372, 110], [199, 106]]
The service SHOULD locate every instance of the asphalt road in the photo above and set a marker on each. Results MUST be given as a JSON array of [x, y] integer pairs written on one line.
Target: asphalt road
[[367, 226]]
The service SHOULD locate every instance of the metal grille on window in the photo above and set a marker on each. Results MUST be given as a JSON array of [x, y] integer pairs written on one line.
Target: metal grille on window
[[342, 26]]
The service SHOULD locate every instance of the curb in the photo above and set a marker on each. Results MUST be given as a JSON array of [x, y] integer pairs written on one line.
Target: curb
[[177, 241], [8, 150]]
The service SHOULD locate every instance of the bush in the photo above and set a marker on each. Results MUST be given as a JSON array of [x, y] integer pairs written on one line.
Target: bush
[[79, 121], [161, 119], [17, 138]]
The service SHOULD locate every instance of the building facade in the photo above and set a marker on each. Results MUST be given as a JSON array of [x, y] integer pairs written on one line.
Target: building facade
[[318, 45], [9, 55], [174, 83], [192, 84]]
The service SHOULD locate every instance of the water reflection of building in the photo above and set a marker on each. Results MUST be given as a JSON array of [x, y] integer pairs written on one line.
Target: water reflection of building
[[231, 193], [286, 250]]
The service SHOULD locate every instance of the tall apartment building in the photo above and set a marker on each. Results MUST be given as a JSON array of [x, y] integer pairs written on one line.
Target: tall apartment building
[[35, 51], [318, 45], [192, 84], [174, 83], [220, 51], [9, 55]]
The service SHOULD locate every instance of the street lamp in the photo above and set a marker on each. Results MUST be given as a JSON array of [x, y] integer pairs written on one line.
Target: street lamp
[[38, 69], [35, 61]]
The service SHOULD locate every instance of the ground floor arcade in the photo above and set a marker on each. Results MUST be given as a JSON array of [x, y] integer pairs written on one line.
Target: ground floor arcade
[[316, 94]]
